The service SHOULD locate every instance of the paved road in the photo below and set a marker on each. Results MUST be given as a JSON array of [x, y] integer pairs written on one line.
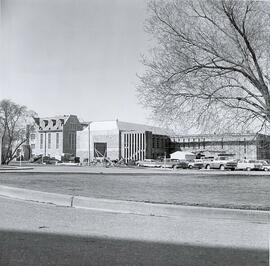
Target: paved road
[[39, 234], [197, 188]]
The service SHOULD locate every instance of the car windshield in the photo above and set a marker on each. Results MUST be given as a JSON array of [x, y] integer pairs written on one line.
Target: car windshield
[[263, 162]]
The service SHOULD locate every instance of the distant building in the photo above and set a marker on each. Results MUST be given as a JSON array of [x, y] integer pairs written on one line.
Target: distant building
[[59, 135], [250, 146], [55, 136], [121, 140], [1, 136]]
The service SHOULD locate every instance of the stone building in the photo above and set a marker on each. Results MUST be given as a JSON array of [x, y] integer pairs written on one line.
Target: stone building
[[250, 146], [55, 136], [121, 140]]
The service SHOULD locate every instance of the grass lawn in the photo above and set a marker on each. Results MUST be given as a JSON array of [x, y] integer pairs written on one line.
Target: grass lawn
[[212, 190]]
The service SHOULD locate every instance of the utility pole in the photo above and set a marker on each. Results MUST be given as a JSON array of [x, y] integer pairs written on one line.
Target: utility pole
[[89, 143], [164, 159], [20, 158]]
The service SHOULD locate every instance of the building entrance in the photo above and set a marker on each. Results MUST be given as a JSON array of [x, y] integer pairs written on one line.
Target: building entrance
[[100, 149]]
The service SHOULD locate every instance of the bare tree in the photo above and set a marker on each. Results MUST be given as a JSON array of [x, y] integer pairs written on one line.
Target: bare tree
[[14, 128], [210, 65]]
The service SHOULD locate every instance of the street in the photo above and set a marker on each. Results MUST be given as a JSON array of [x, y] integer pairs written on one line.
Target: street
[[43, 234]]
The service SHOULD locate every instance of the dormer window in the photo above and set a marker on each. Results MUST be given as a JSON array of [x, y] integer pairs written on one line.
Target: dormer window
[[45, 123]]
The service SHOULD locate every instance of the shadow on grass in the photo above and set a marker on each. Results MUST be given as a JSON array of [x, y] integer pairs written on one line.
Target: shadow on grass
[[34, 249]]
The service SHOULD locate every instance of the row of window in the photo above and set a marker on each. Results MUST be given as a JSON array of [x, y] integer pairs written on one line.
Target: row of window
[[134, 146], [194, 144], [188, 140], [180, 140], [49, 141], [201, 142], [203, 145], [159, 142], [72, 140]]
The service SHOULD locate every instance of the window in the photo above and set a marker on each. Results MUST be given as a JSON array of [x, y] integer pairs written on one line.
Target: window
[[41, 141], [32, 146], [32, 136], [57, 141], [73, 126], [158, 142], [49, 140], [72, 140]]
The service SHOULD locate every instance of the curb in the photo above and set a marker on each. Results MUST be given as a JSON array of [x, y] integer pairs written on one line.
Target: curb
[[15, 169], [170, 173], [34, 195], [23, 171], [132, 207], [164, 210]]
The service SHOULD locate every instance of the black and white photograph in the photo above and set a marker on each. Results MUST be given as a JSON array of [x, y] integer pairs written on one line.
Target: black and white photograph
[[134, 132]]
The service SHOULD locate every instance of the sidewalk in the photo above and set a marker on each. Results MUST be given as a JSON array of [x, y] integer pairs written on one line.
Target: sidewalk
[[8, 168], [122, 170], [85, 169], [139, 208]]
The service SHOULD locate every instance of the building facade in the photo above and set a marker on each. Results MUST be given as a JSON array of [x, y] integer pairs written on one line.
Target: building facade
[[55, 136], [140, 145], [250, 146], [60, 135], [121, 140]]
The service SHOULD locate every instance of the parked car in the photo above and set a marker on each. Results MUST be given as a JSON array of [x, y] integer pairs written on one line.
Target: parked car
[[44, 160], [196, 163], [249, 165], [231, 165], [148, 163], [265, 165], [174, 163], [222, 162]]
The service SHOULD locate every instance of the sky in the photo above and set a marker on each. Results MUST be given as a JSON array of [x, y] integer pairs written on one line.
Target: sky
[[74, 57]]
